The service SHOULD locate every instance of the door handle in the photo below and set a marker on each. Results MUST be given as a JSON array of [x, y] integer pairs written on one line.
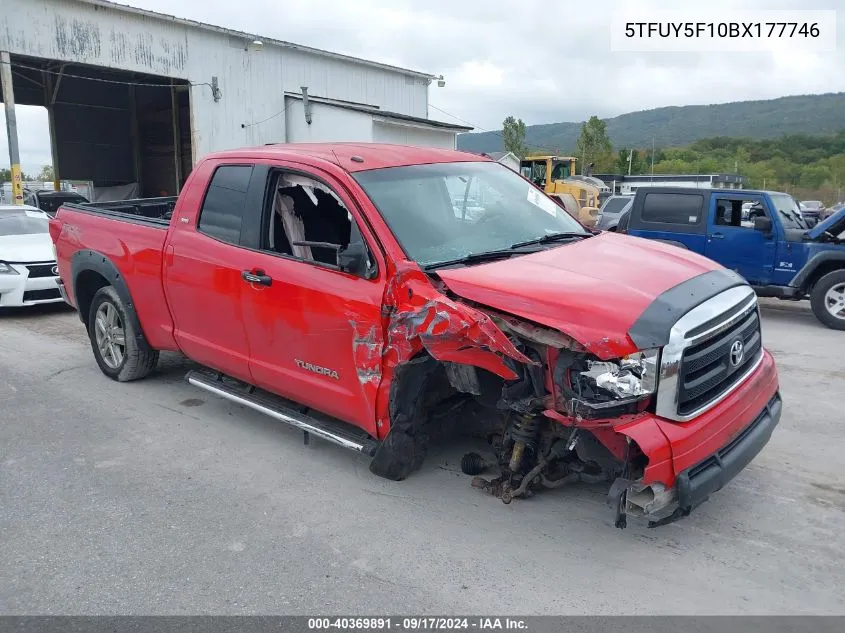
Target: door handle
[[717, 236], [256, 277]]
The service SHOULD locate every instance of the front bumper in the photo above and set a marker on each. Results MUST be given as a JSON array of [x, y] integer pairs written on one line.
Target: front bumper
[[23, 290], [697, 483], [689, 461]]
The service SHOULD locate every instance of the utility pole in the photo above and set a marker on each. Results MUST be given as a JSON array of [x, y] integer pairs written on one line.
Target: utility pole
[[11, 126], [630, 158], [652, 159]]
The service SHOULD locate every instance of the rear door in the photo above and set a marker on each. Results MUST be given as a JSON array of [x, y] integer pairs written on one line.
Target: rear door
[[734, 243], [671, 217], [315, 332], [203, 264]]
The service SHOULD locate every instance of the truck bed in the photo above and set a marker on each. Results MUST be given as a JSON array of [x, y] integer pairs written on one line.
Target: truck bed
[[131, 235], [155, 212]]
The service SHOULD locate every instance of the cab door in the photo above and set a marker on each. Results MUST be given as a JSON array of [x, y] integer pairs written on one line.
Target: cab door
[[315, 332], [203, 264], [734, 242]]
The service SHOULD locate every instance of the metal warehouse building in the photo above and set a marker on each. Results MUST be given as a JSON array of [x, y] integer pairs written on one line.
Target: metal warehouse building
[[135, 96]]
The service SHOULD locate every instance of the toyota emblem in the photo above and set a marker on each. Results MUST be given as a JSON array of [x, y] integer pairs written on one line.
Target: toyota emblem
[[55, 271], [737, 353]]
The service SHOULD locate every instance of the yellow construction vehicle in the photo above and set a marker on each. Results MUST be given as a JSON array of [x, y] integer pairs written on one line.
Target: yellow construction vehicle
[[554, 175]]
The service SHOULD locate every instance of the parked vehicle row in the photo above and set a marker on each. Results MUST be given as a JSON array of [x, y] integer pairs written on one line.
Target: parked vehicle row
[[28, 271], [811, 211], [767, 241], [350, 291], [49, 201], [611, 211]]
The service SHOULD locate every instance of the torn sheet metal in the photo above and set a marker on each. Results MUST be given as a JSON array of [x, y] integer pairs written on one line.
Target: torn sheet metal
[[367, 347], [535, 333], [421, 318], [426, 319]]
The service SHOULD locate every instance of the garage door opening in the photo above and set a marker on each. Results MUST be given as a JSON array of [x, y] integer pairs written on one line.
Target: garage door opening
[[129, 134]]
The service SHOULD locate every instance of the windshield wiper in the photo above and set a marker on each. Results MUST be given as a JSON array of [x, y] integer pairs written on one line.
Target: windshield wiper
[[474, 258], [551, 237]]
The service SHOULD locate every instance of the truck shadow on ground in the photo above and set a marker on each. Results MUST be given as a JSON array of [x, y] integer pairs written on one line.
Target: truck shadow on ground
[[40, 311]]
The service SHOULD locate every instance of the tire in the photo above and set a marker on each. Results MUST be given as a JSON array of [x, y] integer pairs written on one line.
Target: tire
[[824, 292], [132, 360]]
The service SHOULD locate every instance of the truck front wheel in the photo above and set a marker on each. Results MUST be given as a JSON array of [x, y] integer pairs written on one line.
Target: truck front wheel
[[120, 353], [828, 300]]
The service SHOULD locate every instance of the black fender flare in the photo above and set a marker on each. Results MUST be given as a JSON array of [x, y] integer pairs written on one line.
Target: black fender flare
[[803, 276], [84, 260]]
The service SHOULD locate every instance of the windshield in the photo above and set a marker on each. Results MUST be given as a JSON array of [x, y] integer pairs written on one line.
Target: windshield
[[788, 211], [447, 211], [22, 225]]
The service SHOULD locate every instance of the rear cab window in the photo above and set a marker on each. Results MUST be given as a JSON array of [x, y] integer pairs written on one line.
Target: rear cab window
[[673, 208], [222, 212]]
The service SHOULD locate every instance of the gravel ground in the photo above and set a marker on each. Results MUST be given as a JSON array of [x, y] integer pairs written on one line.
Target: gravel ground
[[156, 498]]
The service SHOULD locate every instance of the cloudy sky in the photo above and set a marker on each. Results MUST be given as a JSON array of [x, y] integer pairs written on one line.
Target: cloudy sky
[[542, 60]]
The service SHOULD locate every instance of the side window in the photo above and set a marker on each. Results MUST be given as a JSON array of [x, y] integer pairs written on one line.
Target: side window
[[307, 220], [672, 208], [738, 212], [223, 208]]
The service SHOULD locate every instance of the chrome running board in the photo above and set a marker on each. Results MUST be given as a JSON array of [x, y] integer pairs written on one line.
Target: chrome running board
[[336, 432]]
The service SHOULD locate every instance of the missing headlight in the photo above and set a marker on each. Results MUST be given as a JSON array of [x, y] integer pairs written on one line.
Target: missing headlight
[[596, 388]]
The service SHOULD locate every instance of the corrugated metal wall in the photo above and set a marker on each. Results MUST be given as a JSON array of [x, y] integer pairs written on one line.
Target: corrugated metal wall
[[389, 132], [252, 83], [327, 122]]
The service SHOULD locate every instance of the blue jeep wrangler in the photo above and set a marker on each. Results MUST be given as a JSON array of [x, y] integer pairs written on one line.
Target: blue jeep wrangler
[[759, 234]]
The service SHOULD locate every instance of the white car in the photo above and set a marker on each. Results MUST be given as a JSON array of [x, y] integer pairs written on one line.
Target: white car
[[28, 270]]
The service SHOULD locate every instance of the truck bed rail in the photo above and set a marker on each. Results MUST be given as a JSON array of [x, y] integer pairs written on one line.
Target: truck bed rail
[[155, 212]]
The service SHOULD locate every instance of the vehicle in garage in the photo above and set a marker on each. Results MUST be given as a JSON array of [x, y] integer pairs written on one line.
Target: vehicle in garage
[[340, 288], [770, 246], [28, 271]]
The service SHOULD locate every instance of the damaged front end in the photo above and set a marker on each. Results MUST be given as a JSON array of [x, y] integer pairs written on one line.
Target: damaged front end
[[551, 405], [563, 410]]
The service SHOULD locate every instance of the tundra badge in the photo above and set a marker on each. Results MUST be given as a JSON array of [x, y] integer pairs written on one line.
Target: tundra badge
[[323, 371]]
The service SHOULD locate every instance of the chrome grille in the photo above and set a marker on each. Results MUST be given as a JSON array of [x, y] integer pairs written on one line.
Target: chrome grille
[[710, 368], [696, 369]]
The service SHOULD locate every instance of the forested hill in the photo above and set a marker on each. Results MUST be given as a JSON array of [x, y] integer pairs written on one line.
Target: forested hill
[[676, 126]]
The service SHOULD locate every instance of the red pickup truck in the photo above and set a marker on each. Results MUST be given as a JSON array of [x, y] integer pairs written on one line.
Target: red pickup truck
[[373, 294]]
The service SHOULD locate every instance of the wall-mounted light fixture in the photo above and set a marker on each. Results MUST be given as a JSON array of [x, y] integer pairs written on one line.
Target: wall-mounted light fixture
[[255, 45]]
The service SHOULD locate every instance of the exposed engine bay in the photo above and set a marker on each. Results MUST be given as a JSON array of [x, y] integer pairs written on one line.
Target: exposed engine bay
[[535, 452], [552, 425]]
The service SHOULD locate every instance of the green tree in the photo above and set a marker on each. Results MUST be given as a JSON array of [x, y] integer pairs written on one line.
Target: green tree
[[742, 159], [605, 163], [46, 173], [836, 165], [5, 175], [814, 176], [622, 157], [593, 141], [513, 133]]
